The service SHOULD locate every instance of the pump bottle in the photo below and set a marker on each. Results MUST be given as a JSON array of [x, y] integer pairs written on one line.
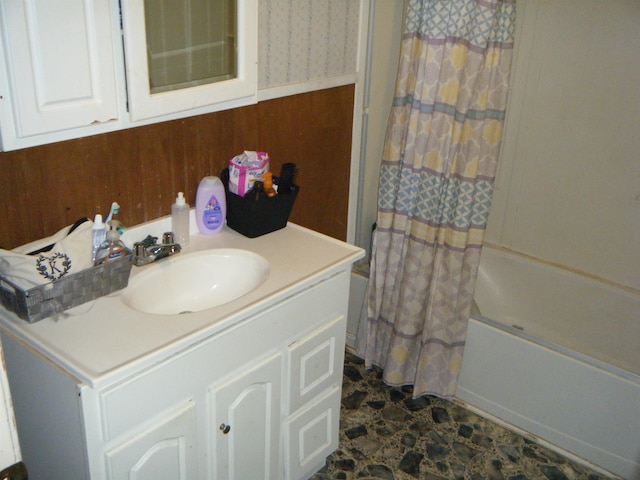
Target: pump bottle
[[180, 220], [111, 248]]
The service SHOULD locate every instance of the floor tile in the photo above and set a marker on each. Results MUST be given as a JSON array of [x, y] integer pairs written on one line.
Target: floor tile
[[385, 434]]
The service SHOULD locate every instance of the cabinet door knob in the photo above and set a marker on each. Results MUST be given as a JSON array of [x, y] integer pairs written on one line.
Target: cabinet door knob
[[225, 428]]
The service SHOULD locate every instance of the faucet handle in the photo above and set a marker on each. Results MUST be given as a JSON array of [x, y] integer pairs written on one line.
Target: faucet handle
[[140, 249], [167, 238], [148, 241]]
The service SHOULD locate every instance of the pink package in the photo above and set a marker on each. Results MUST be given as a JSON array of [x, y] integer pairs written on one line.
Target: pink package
[[246, 168]]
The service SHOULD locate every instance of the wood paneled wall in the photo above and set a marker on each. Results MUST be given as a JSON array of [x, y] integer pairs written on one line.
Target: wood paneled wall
[[42, 189]]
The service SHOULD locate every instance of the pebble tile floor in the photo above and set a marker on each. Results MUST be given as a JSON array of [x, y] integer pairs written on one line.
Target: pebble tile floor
[[385, 434]]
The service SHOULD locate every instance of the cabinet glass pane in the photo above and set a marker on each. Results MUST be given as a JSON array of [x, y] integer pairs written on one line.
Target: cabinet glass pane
[[190, 42]]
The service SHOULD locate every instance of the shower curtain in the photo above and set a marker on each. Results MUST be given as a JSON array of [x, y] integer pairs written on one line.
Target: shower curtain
[[436, 181]]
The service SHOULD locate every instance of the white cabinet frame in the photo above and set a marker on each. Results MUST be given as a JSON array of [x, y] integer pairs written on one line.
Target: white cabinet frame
[[57, 70], [233, 93], [68, 70]]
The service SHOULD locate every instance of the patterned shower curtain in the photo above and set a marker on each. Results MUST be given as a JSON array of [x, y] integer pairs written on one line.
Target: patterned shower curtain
[[436, 182]]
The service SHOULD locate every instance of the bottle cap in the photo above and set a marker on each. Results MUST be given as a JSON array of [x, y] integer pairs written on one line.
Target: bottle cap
[[180, 199], [98, 224], [268, 179], [113, 235]]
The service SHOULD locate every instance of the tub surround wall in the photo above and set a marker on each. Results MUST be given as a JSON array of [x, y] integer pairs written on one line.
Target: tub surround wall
[[567, 189], [42, 189]]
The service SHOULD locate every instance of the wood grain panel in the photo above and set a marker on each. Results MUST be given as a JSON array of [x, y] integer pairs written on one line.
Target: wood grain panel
[[42, 189]]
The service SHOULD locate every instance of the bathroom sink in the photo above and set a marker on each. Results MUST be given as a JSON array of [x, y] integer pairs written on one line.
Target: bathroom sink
[[195, 281]]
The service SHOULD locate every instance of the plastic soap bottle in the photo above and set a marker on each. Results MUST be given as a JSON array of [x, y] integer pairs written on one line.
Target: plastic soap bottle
[[211, 206], [111, 248], [180, 220]]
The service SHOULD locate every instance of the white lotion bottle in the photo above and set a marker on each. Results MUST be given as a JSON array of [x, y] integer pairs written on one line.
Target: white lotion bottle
[[180, 220], [211, 206]]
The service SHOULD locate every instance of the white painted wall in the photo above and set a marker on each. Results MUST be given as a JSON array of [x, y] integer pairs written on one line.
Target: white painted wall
[[568, 189], [387, 35]]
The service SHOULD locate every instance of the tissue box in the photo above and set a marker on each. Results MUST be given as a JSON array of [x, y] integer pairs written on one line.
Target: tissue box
[[254, 218], [245, 169]]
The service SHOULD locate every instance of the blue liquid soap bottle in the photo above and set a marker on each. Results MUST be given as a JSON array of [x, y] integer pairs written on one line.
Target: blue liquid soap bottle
[[211, 206]]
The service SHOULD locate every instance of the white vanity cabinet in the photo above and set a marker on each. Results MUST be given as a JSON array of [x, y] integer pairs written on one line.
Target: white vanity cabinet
[[73, 68], [257, 400]]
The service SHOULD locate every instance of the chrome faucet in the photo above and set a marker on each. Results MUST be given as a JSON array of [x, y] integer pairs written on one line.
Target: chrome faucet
[[148, 250]]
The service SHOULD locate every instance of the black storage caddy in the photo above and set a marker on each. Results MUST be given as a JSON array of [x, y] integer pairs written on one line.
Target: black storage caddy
[[253, 218]]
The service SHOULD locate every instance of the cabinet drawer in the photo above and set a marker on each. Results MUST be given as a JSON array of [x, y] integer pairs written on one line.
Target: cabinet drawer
[[312, 434], [315, 363]]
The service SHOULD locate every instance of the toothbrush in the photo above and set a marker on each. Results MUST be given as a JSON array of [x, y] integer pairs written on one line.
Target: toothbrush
[[114, 209], [109, 221]]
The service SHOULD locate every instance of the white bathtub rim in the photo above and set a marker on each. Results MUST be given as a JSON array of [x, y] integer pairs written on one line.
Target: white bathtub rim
[[602, 281], [566, 307], [594, 362]]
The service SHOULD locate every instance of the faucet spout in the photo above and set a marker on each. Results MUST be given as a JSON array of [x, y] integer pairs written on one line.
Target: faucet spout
[[162, 251]]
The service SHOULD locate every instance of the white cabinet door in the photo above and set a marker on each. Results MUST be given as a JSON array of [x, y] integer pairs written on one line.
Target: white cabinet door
[[183, 22], [246, 422], [57, 69], [165, 449]]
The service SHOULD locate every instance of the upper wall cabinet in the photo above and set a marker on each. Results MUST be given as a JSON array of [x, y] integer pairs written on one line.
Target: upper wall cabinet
[[57, 70], [65, 74], [189, 54]]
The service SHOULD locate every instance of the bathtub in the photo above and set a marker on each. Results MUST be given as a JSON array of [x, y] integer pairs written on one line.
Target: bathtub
[[556, 354]]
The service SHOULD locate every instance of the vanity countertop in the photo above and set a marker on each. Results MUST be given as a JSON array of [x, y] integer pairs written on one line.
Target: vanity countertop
[[104, 341]]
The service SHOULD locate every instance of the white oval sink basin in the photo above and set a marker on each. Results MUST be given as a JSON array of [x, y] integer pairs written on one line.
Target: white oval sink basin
[[195, 281]]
